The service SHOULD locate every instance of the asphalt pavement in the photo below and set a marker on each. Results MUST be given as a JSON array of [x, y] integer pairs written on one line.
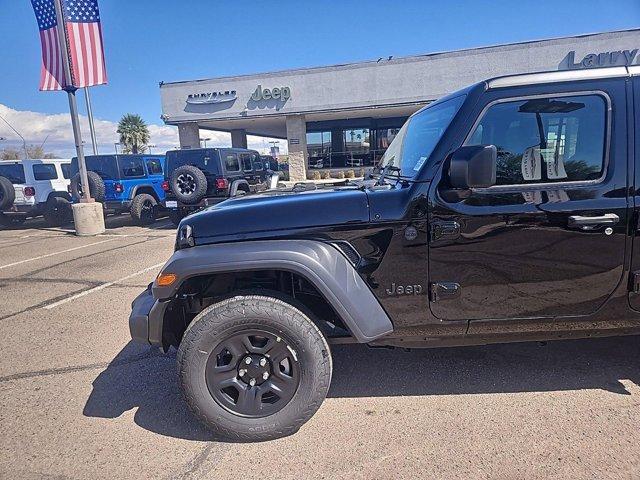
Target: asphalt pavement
[[79, 400]]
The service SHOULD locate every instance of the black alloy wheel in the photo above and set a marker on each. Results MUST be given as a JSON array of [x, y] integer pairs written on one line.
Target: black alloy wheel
[[253, 373], [186, 183]]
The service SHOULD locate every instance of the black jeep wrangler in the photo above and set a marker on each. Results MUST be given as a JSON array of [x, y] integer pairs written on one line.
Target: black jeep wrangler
[[196, 178], [504, 212]]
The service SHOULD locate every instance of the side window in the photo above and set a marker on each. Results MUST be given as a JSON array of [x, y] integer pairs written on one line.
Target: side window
[[44, 171], [542, 140], [257, 163], [66, 170], [154, 167], [246, 162], [231, 163], [131, 167]]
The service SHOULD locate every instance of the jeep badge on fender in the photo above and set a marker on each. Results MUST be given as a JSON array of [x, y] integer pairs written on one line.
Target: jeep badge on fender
[[404, 289]]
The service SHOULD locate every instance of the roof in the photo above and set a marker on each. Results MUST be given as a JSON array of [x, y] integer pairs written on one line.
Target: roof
[[403, 59]]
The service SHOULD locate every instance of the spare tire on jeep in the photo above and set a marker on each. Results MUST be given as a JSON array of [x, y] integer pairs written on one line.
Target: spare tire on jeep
[[96, 186], [188, 184], [7, 193]]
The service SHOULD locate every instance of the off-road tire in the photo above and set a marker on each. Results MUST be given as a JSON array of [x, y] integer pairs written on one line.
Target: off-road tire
[[196, 179], [7, 193], [140, 209], [243, 313], [176, 216], [57, 211], [96, 186]]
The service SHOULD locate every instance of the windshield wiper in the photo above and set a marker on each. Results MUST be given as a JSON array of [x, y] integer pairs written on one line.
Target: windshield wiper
[[383, 173]]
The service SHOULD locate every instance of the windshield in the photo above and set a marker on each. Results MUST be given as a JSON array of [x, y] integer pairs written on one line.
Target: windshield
[[14, 172], [104, 165], [417, 138]]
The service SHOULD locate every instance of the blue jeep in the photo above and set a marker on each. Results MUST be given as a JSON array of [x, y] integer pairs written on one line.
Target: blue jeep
[[124, 183]]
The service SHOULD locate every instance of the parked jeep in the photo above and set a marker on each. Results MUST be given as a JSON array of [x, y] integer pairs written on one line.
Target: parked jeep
[[124, 183], [30, 188], [197, 178], [504, 212]]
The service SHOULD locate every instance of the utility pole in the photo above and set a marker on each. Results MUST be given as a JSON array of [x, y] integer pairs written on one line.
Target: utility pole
[[92, 129], [73, 105]]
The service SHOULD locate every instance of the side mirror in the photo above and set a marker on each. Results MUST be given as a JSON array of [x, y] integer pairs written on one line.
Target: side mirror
[[473, 166]]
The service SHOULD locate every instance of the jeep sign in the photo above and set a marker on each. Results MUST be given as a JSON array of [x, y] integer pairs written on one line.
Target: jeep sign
[[276, 93]]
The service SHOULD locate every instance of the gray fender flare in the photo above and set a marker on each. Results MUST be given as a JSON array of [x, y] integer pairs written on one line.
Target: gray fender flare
[[319, 263], [235, 186]]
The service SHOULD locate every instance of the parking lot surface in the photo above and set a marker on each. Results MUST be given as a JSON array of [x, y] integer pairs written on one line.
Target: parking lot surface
[[79, 400]]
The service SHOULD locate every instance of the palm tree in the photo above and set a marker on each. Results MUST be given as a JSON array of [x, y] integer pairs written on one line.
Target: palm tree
[[134, 133]]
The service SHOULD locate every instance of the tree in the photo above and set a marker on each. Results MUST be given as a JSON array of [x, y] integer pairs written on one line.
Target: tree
[[134, 133], [9, 154]]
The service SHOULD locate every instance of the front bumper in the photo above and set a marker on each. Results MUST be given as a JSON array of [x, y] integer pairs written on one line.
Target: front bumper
[[146, 319]]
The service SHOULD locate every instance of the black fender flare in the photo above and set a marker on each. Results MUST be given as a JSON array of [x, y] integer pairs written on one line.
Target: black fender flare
[[319, 263], [135, 189]]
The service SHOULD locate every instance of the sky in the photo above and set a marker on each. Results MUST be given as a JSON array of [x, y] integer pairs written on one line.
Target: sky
[[148, 41]]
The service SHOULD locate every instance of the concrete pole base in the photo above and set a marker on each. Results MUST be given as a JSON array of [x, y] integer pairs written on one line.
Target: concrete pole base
[[88, 218]]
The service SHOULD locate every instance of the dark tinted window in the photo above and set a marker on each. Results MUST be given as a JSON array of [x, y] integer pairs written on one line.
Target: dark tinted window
[[257, 163], [13, 172], [44, 171], [545, 140], [246, 161], [154, 166], [231, 163], [104, 165], [131, 166], [66, 170], [205, 159]]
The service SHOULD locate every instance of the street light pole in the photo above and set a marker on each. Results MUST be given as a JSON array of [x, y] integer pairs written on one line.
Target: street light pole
[[24, 143], [92, 129]]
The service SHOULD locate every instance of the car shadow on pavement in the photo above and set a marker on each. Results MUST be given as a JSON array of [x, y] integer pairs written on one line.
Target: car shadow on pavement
[[145, 380]]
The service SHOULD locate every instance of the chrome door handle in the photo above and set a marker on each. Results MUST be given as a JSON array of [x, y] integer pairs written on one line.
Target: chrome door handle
[[582, 221]]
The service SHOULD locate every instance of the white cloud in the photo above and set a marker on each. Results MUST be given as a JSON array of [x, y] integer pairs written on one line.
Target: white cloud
[[35, 127]]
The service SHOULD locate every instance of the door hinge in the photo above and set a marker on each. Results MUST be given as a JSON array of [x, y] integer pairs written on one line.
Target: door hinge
[[441, 230], [635, 282], [444, 291]]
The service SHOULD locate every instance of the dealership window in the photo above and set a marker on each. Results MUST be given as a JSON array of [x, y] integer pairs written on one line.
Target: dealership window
[[541, 140], [154, 167], [384, 137], [131, 166], [318, 143], [44, 171], [231, 163]]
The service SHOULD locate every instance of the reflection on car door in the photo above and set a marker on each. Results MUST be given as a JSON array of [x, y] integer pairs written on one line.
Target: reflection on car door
[[549, 238]]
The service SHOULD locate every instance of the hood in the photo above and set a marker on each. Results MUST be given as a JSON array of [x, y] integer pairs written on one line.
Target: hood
[[254, 215]]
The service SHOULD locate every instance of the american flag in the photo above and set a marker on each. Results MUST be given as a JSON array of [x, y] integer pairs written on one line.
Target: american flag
[[84, 41]]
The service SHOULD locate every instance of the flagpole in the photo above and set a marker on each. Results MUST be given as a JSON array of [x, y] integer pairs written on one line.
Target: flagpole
[[73, 105], [87, 99]]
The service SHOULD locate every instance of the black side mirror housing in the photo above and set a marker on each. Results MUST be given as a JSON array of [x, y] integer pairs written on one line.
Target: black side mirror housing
[[473, 166]]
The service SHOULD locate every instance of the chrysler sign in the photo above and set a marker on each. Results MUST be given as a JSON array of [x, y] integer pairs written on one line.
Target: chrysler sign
[[207, 98]]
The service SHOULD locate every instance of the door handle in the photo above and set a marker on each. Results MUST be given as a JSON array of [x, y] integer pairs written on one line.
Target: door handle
[[583, 221]]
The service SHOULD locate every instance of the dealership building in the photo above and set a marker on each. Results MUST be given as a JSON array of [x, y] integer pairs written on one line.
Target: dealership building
[[345, 116]]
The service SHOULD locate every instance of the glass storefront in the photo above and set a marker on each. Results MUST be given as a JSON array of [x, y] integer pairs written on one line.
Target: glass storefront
[[337, 144]]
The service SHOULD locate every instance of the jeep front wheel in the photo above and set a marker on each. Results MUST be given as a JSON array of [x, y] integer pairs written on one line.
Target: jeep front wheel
[[254, 367]]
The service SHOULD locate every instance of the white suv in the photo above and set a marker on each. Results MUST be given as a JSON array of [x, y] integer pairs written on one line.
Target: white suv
[[29, 188]]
